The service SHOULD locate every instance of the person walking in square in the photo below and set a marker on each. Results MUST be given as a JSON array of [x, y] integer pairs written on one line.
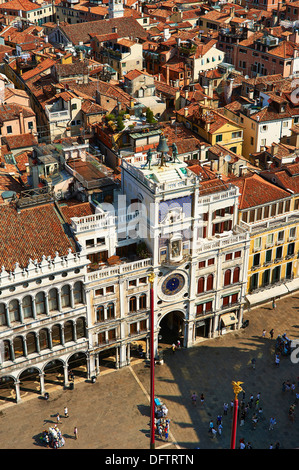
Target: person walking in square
[[273, 304], [76, 432], [225, 408], [58, 418], [271, 333], [194, 398], [66, 413], [264, 333]]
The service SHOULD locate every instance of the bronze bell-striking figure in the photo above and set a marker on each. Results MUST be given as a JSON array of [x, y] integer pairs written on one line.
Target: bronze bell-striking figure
[[163, 148]]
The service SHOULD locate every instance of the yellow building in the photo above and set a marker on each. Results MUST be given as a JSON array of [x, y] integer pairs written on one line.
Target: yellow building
[[212, 126], [268, 213]]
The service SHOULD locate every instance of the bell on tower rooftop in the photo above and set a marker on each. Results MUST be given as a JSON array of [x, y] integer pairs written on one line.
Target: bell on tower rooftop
[[163, 148]]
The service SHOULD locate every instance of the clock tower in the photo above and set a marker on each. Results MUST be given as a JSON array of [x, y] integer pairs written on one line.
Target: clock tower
[[116, 9]]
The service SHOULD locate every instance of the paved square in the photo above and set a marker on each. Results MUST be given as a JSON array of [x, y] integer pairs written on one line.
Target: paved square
[[113, 413]]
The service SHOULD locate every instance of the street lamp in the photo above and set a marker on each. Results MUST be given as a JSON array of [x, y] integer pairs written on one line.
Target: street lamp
[[237, 389], [152, 362]]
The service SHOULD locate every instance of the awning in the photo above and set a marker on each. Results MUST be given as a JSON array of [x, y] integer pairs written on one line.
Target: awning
[[267, 294], [229, 319], [292, 285]]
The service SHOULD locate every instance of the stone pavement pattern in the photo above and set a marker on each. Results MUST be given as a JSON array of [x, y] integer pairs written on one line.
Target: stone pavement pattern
[[113, 413]]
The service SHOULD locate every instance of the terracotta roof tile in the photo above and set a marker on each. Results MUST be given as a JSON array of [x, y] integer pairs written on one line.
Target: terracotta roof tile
[[32, 233]]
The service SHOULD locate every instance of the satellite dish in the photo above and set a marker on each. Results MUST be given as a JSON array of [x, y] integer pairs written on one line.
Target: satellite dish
[[227, 158]]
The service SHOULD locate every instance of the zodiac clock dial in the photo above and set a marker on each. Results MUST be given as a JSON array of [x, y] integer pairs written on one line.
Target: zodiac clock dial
[[173, 284]]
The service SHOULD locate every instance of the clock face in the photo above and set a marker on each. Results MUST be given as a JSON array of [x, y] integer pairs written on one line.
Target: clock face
[[173, 284]]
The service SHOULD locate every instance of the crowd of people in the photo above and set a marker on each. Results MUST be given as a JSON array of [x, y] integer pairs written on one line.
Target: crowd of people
[[162, 422], [53, 438]]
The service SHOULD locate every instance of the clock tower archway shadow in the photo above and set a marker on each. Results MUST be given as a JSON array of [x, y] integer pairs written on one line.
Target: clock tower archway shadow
[[171, 328]]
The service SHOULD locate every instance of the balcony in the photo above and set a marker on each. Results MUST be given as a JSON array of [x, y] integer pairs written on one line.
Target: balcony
[[55, 116], [117, 270]]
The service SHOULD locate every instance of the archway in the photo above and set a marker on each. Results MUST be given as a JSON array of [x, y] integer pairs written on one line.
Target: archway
[[54, 372], [77, 363], [171, 329], [7, 389], [29, 381]]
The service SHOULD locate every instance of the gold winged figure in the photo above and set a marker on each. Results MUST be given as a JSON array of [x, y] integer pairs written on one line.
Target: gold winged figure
[[237, 388]]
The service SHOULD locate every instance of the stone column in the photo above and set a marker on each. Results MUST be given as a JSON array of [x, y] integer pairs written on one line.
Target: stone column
[[66, 374], [7, 316], [47, 303], [117, 358], [18, 393], [42, 383]]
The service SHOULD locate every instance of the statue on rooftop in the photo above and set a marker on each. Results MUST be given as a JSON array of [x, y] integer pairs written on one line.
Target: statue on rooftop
[[149, 158], [174, 152]]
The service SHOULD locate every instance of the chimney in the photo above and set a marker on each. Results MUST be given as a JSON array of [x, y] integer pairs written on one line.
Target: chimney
[[274, 149], [213, 165], [185, 112], [21, 119], [167, 74]]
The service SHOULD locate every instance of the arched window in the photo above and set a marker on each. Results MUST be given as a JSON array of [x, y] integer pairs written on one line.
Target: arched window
[[14, 311], [227, 277], [142, 302], [65, 296], [236, 275], [43, 339], [100, 313], [110, 311], [18, 346], [27, 307], [210, 282], [200, 285], [56, 335], [78, 293], [53, 300], [133, 304], [7, 350], [3, 319], [31, 343], [68, 331], [40, 303], [80, 328]]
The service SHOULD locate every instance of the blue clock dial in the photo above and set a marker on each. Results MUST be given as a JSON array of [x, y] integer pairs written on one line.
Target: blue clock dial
[[173, 284]]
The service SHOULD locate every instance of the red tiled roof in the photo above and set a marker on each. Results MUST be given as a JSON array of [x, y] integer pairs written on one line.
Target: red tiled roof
[[256, 191], [30, 234], [19, 141], [76, 210]]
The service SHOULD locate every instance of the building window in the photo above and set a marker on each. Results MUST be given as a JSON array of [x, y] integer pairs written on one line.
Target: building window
[[40, 303], [9, 130], [132, 304], [78, 293], [14, 311], [100, 315], [53, 300], [3, 320], [65, 296], [227, 277], [68, 331], [18, 346], [210, 282], [219, 138], [256, 260], [27, 307], [142, 302], [200, 285], [80, 328], [236, 275], [254, 281], [56, 335], [110, 311], [43, 339], [31, 343]]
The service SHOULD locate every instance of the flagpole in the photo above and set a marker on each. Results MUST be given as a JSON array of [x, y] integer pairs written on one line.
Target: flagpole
[[152, 363]]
